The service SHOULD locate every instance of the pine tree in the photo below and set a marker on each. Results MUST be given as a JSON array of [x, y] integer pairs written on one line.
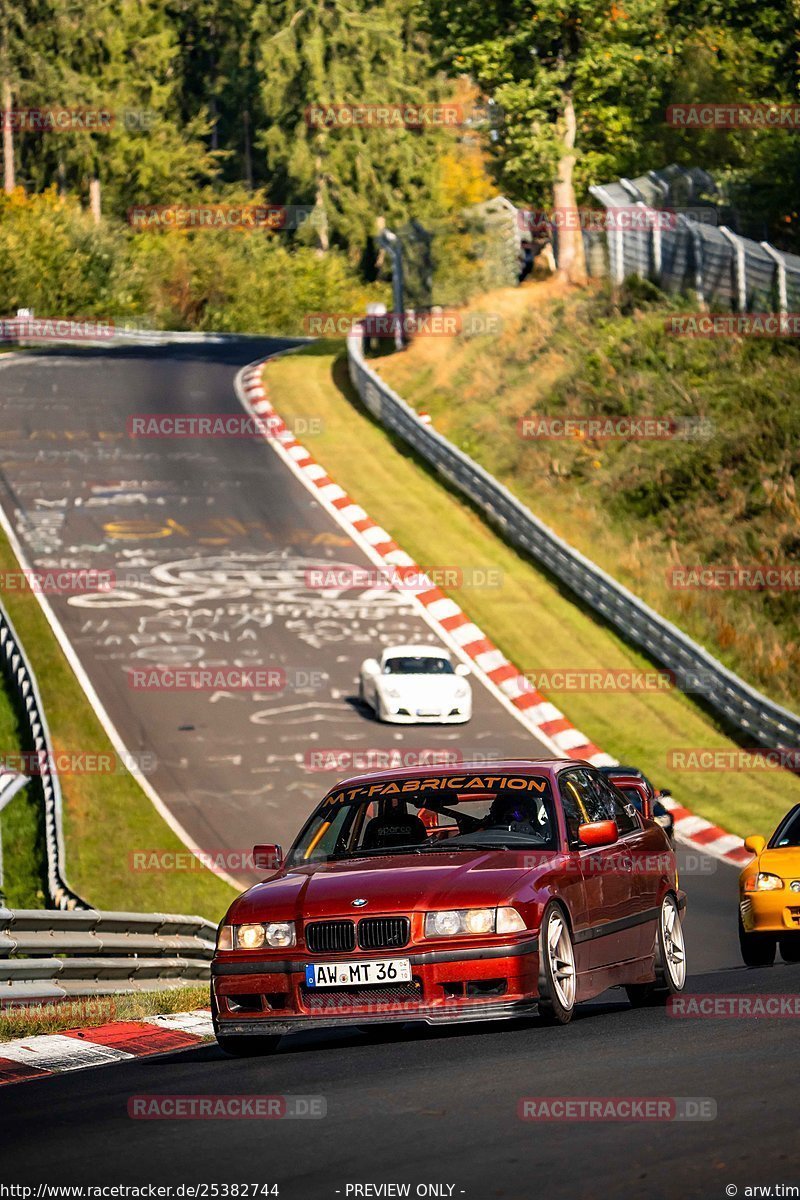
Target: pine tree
[[328, 52]]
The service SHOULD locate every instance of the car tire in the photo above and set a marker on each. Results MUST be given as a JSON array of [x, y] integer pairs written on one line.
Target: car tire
[[757, 949], [790, 948], [247, 1047], [670, 959], [558, 981]]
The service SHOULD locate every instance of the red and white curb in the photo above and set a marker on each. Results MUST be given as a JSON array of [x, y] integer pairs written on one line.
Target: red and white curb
[[53, 1053], [444, 615]]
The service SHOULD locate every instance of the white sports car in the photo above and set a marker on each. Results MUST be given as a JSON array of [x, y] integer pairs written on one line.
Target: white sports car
[[416, 685]]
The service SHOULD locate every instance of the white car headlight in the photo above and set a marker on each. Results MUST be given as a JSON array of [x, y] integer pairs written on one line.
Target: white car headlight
[[451, 922], [275, 934], [764, 882], [462, 691], [391, 693]]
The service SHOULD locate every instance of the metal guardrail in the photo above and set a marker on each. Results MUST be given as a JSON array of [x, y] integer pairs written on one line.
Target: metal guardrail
[[692, 252], [22, 680], [751, 714], [103, 953]]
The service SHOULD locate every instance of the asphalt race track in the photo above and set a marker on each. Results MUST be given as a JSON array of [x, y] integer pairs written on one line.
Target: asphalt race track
[[440, 1106], [209, 540], [426, 1107]]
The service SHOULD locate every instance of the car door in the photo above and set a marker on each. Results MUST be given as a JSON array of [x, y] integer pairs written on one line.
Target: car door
[[644, 865], [607, 873]]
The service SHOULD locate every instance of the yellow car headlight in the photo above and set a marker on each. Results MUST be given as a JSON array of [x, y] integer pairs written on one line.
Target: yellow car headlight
[[451, 922], [250, 937], [763, 882], [276, 934]]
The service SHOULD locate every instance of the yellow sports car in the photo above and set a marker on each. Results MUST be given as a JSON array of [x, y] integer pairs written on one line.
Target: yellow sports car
[[769, 896]]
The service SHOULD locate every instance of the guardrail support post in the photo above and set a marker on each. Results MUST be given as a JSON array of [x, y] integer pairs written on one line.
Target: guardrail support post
[[741, 267], [780, 262]]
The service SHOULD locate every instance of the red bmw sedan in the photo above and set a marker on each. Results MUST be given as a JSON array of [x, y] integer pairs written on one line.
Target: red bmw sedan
[[458, 893]]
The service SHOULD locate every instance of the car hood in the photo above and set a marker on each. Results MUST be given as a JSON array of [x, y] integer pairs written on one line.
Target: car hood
[[435, 688], [784, 862], [392, 883]]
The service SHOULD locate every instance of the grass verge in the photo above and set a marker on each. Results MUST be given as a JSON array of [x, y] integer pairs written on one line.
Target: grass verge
[[30, 1019], [726, 495], [532, 621], [106, 816], [21, 828]]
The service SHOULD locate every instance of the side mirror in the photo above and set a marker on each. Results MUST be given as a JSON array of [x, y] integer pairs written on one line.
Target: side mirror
[[463, 669], [268, 857], [598, 833], [371, 666], [755, 844]]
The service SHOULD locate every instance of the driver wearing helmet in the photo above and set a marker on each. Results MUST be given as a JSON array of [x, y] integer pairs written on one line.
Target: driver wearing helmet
[[519, 814]]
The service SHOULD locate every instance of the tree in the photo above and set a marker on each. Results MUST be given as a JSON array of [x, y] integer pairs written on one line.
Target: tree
[[122, 63], [577, 82], [328, 52]]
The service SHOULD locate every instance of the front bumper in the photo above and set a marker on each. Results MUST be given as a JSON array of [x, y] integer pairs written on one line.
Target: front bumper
[[415, 719], [770, 912], [495, 982]]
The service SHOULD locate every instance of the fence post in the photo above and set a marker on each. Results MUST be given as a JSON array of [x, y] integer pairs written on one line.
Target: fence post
[[697, 247], [391, 242], [655, 239], [780, 262], [741, 267]]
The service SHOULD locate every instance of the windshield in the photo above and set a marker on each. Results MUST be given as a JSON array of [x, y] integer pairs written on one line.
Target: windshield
[[418, 666], [788, 832], [421, 816]]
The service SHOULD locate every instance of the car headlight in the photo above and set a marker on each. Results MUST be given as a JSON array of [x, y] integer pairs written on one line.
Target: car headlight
[[275, 934], [763, 882], [462, 691], [391, 693], [225, 937], [450, 922]]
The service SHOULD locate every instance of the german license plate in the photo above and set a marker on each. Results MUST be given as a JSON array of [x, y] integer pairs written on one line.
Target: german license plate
[[350, 974]]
